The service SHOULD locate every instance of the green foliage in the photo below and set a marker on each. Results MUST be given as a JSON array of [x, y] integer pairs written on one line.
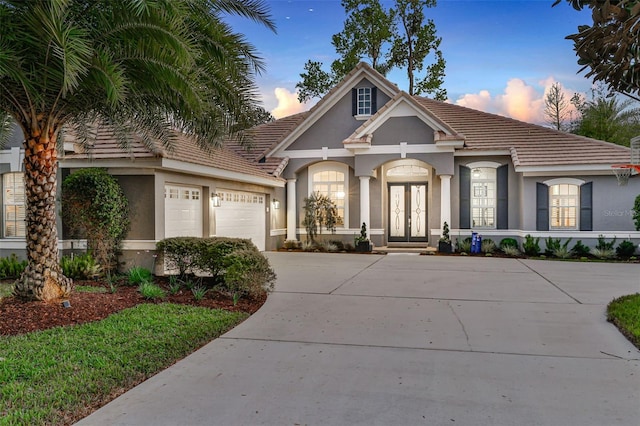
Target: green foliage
[[174, 285], [508, 242], [580, 250], [624, 312], [636, 213], [464, 246], [511, 251], [363, 235], [248, 273], [11, 267], [80, 266], [138, 275], [531, 246], [554, 245], [151, 291], [319, 211], [94, 207], [562, 252], [50, 376], [445, 238], [487, 246], [603, 244], [199, 292], [625, 249], [291, 244]]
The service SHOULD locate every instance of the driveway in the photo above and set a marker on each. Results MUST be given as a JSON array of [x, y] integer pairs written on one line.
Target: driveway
[[409, 340]]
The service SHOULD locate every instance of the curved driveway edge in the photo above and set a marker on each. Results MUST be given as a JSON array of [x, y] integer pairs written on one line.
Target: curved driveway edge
[[407, 340]]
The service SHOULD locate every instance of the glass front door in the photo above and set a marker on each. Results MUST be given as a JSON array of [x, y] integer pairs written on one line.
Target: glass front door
[[407, 212]]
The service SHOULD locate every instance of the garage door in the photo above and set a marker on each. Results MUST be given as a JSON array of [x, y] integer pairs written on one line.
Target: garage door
[[182, 211], [241, 215]]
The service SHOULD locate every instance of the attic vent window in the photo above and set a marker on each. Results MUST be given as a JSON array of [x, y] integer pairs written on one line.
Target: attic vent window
[[262, 160]]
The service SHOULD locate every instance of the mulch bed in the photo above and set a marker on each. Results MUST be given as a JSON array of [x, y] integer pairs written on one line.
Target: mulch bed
[[19, 317]]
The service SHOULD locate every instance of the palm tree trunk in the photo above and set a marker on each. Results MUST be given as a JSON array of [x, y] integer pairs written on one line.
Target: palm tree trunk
[[43, 278]]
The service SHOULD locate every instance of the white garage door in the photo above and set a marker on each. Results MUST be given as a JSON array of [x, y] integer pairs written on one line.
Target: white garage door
[[182, 211], [241, 215]]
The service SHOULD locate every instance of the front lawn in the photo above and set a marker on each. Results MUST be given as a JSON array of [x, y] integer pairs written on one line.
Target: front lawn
[[60, 375], [624, 312]]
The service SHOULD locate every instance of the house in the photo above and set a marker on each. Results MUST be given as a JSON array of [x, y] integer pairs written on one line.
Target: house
[[405, 164], [401, 164]]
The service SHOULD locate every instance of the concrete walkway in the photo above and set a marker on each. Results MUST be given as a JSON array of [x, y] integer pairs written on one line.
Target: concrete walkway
[[410, 340]]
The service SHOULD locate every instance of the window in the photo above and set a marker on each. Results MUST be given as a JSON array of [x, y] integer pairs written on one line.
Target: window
[[13, 205], [330, 179], [564, 200], [483, 197], [364, 101]]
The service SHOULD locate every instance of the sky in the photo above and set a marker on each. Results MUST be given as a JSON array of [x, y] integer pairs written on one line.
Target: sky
[[501, 56]]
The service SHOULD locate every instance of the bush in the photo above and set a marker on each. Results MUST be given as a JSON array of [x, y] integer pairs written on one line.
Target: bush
[[94, 207], [554, 245], [464, 246], [580, 250], [508, 242], [80, 267], [151, 291], [11, 267], [605, 245], [531, 245], [138, 275], [488, 246], [625, 249], [247, 273], [562, 252], [511, 251], [636, 213], [603, 253], [291, 244]]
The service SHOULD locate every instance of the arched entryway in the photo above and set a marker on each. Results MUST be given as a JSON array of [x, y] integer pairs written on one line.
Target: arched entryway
[[408, 201]]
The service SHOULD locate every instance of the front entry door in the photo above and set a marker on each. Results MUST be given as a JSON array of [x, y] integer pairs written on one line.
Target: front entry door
[[408, 212]]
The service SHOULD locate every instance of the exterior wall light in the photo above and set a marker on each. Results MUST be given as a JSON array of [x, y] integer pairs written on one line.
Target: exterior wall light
[[215, 200], [276, 203]]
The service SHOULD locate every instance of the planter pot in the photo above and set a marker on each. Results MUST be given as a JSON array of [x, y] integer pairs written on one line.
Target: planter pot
[[364, 247], [444, 247]]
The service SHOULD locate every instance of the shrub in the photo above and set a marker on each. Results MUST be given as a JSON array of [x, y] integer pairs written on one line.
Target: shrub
[[330, 247], [151, 291], [580, 250], [511, 251], [11, 267], [531, 245], [636, 213], [605, 245], [95, 207], [562, 252], [199, 292], [554, 245], [247, 272], [625, 249], [80, 267], [138, 275], [319, 211], [488, 246], [179, 253], [464, 246], [602, 253], [508, 242], [291, 245]]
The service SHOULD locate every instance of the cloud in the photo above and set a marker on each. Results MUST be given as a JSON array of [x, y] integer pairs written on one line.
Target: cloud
[[287, 103], [519, 100]]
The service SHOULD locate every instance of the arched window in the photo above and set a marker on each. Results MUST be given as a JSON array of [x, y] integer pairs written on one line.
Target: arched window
[[331, 179], [483, 197], [13, 205], [564, 200]]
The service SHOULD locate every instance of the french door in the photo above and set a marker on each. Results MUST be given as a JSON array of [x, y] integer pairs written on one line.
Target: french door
[[407, 212]]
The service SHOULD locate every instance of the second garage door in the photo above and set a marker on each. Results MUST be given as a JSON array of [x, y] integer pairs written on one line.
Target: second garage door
[[242, 215]]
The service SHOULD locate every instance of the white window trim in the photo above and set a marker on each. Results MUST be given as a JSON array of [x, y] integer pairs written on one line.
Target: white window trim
[[332, 166], [485, 165], [359, 116], [560, 181], [565, 181], [4, 204]]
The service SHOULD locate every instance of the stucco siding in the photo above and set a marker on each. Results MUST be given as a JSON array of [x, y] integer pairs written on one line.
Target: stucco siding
[[140, 194], [411, 130]]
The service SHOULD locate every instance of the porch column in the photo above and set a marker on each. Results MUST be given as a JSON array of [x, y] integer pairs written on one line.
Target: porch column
[[365, 208], [291, 209], [445, 200]]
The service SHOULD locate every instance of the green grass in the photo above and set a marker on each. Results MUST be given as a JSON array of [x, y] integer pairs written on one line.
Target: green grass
[[6, 288], [52, 376], [624, 312], [89, 289]]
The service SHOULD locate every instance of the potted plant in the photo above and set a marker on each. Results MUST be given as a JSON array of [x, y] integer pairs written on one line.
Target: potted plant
[[444, 244], [362, 243]]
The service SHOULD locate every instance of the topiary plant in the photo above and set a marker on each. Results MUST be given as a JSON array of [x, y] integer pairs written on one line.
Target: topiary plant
[[319, 211], [94, 207]]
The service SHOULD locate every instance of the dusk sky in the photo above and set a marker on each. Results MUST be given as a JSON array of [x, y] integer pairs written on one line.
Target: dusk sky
[[501, 55]]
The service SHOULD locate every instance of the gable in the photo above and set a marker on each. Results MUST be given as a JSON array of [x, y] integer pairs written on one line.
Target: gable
[[411, 130]]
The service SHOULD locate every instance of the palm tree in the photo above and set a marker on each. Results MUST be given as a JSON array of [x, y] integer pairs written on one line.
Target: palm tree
[[152, 67]]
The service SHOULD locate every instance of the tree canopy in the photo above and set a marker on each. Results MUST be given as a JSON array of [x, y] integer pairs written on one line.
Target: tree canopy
[[609, 48], [401, 36], [152, 67]]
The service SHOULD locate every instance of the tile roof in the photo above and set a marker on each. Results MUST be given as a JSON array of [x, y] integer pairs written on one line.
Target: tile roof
[[529, 144], [184, 149]]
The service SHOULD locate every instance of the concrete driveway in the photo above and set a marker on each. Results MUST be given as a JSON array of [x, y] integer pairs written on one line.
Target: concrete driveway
[[410, 340]]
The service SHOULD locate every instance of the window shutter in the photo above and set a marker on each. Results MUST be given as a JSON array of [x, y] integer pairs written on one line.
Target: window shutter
[[542, 207], [502, 189], [354, 102], [465, 197], [586, 209], [374, 100]]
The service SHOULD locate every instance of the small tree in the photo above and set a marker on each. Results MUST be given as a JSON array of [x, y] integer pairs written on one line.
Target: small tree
[[319, 211], [94, 207], [556, 107]]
